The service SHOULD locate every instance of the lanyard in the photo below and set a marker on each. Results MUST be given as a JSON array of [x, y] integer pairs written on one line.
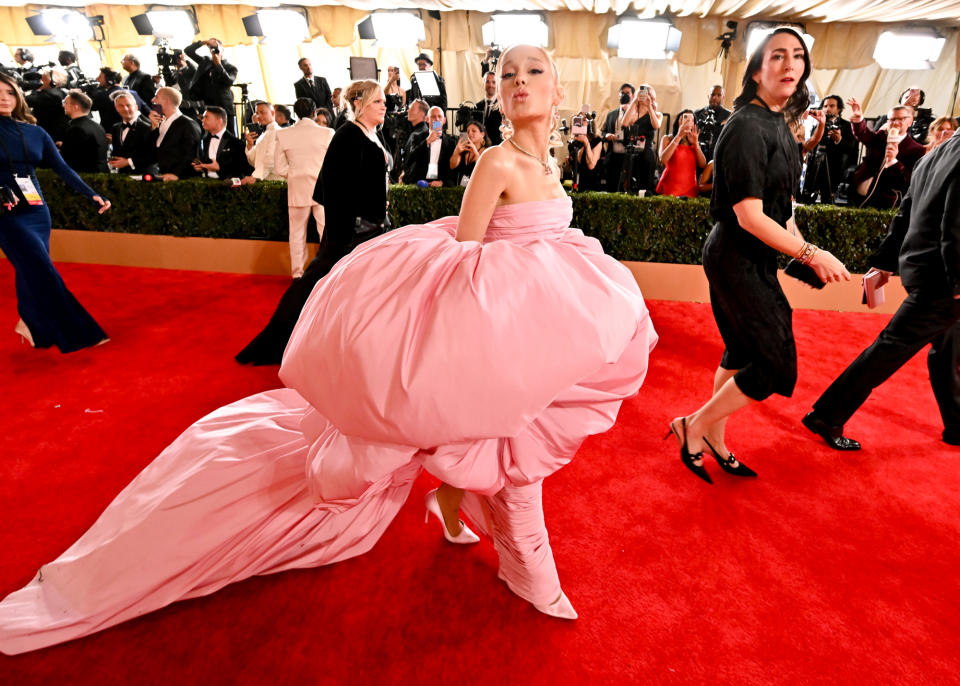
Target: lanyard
[[23, 142]]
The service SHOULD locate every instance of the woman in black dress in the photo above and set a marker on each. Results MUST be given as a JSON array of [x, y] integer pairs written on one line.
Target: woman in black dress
[[352, 187], [644, 119], [464, 158], [49, 314], [756, 176]]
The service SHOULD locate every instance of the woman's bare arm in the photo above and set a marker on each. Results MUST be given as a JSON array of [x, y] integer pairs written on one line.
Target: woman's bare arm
[[489, 180]]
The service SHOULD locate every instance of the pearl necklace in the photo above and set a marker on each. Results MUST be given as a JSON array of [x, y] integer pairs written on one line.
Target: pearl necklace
[[545, 163]]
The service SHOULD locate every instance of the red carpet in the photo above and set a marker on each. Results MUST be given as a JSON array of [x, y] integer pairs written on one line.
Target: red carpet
[[830, 568]]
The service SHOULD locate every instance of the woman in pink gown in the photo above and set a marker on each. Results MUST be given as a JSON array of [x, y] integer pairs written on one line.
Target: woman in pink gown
[[482, 349]]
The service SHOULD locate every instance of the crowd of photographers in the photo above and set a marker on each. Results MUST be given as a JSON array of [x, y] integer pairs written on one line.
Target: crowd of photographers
[[182, 122]]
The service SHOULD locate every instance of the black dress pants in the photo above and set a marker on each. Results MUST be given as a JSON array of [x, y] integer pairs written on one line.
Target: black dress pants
[[919, 321]]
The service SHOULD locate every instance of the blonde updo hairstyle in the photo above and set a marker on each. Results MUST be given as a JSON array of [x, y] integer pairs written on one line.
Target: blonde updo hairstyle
[[506, 127], [364, 90]]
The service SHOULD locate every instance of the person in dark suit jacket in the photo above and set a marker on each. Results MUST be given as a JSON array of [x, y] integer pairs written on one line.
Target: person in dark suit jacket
[[134, 150], [213, 82], [426, 146], [419, 128], [181, 77], [84, 145], [175, 136], [314, 87], [926, 236], [46, 103], [137, 80], [222, 155], [109, 81], [424, 63], [488, 112]]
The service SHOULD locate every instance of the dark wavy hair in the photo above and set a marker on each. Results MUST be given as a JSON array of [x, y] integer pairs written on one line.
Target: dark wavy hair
[[833, 96], [676, 121], [21, 111], [800, 100]]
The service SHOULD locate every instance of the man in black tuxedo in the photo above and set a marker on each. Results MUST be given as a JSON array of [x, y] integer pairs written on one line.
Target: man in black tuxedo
[[213, 82], [84, 145], [429, 151], [175, 136], [487, 111], [314, 87], [46, 103], [222, 155], [134, 151], [424, 63], [137, 80], [926, 235]]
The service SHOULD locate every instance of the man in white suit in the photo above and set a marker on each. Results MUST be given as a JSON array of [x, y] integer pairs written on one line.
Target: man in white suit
[[300, 150], [261, 149]]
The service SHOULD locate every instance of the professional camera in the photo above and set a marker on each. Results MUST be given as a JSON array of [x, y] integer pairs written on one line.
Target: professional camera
[[167, 57], [465, 114], [706, 119], [493, 55], [832, 124]]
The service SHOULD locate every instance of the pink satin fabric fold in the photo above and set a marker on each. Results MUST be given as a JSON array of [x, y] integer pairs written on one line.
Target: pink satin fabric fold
[[487, 365]]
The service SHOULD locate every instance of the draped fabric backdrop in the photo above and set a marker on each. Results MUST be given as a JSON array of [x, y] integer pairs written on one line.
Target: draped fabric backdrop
[[842, 52]]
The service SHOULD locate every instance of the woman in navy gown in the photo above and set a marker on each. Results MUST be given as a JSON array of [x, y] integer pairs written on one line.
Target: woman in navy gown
[[49, 314]]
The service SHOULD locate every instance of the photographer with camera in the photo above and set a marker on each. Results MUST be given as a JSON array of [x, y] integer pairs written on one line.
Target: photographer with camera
[[891, 153], [836, 151], [584, 152], [26, 73], [709, 119], [643, 120], [213, 82], [178, 72], [137, 80], [681, 157], [46, 102], [68, 61]]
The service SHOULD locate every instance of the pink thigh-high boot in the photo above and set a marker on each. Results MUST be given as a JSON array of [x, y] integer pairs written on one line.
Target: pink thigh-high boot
[[513, 518]]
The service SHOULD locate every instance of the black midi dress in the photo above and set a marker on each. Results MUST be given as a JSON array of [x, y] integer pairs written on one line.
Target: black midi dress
[[755, 157]]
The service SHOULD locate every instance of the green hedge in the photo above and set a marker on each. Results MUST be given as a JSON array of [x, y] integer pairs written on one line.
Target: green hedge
[[655, 229]]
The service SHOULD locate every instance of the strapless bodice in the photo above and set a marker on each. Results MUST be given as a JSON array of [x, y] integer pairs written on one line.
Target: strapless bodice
[[534, 219]]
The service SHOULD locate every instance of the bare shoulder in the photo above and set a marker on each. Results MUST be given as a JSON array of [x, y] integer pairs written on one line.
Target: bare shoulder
[[496, 159]]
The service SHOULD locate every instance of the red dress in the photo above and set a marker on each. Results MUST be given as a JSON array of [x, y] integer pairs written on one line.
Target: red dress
[[680, 175]]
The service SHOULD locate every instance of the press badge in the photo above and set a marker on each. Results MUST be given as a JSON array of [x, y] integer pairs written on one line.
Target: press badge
[[30, 192]]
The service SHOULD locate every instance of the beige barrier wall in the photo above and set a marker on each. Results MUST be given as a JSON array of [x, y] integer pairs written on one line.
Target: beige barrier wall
[[681, 282]]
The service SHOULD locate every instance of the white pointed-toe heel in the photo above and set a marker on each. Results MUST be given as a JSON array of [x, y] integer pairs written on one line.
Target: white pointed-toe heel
[[433, 508], [561, 608], [24, 331]]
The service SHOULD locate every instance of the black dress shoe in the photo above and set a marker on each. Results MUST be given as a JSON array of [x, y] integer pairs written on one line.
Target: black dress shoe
[[833, 435]]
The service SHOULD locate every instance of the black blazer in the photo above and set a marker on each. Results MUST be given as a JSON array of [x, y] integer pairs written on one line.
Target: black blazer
[[212, 84], [231, 156], [142, 83], [491, 122], [139, 146], [926, 231], [85, 146], [179, 148], [352, 183], [47, 106], [316, 89], [417, 160]]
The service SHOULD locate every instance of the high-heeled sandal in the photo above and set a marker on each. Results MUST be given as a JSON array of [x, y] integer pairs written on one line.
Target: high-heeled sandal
[[24, 332], [686, 457], [561, 607], [730, 464], [465, 536]]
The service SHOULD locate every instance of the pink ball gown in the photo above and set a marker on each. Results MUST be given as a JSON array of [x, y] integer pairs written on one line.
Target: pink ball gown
[[486, 365]]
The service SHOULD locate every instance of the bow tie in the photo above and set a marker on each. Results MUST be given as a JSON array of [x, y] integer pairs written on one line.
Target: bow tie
[[214, 135], [127, 126]]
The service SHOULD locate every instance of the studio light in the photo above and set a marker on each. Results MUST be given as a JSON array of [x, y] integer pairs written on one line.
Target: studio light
[[908, 49], [278, 24], [63, 24], [393, 29], [645, 39], [760, 30], [513, 28]]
